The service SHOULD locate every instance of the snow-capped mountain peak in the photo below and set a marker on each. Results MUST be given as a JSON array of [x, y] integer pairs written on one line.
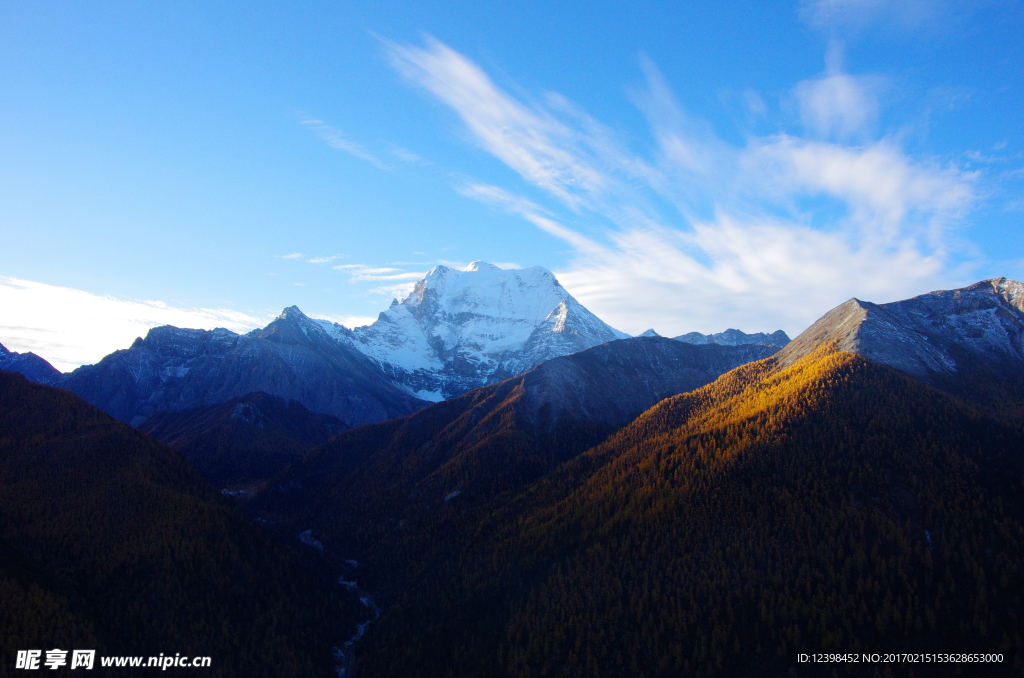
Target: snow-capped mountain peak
[[460, 329]]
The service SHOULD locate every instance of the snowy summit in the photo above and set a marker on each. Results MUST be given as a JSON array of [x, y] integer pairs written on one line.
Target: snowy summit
[[458, 330]]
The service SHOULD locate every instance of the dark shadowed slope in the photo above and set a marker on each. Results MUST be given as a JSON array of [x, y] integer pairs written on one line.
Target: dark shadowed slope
[[429, 471], [294, 357], [245, 440], [31, 366], [831, 506], [111, 540]]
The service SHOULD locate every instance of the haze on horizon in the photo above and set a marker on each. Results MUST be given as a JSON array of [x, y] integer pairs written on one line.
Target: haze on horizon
[[688, 169]]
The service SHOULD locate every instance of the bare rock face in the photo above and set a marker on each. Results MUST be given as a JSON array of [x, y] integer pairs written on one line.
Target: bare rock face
[[294, 357], [968, 341], [924, 336]]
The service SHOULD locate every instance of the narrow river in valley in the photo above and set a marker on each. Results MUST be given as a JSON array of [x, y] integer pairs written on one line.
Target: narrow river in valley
[[345, 654]]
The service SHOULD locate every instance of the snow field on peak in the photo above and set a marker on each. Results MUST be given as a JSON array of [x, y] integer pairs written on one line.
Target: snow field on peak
[[458, 328]]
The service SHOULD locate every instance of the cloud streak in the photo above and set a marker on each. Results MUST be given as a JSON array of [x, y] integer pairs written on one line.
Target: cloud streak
[[528, 139], [337, 140], [694, 233], [386, 274]]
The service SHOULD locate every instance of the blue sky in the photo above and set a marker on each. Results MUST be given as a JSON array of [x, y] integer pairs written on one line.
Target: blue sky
[[696, 167]]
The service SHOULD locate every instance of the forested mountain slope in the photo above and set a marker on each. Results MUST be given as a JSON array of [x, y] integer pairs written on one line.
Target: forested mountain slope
[[111, 541], [834, 505], [244, 440], [401, 480]]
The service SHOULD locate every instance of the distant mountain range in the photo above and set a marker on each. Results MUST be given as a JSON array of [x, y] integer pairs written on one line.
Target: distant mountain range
[[456, 331], [730, 337], [460, 330], [736, 338], [294, 357]]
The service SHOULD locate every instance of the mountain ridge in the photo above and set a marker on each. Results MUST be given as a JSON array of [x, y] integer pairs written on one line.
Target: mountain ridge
[[293, 357], [457, 330], [466, 453], [30, 365], [967, 341]]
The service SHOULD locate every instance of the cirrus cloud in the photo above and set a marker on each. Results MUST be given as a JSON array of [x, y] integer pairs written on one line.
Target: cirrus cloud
[[694, 233]]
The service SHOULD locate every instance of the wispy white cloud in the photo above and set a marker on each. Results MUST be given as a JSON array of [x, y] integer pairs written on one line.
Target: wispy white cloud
[[325, 260], [706, 234], [494, 195], [883, 191], [349, 321], [902, 18], [458, 265], [394, 291], [528, 139], [293, 255], [407, 156], [336, 139], [70, 327], [755, 104], [363, 269], [839, 105], [860, 14], [393, 276], [364, 273]]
